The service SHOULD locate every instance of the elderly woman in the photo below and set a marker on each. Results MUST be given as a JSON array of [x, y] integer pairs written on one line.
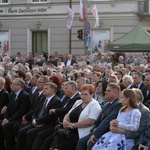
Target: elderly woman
[[80, 119], [128, 81]]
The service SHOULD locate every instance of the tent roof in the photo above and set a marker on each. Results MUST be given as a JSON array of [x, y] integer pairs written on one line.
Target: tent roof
[[137, 40]]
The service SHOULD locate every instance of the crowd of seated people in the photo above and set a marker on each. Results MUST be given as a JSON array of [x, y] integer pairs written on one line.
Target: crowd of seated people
[[92, 96]]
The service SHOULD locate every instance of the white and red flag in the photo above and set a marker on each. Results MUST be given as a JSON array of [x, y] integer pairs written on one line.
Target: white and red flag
[[82, 12], [70, 16], [95, 13]]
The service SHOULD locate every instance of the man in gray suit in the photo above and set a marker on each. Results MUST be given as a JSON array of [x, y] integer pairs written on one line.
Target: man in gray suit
[[144, 141], [143, 123]]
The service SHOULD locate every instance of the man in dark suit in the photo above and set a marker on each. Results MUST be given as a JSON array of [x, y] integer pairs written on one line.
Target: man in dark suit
[[4, 97], [138, 83], [19, 104], [28, 79], [119, 75], [69, 61], [71, 91], [38, 83], [143, 122], [36, 96], [41, 119], [109, 113], [52, 61], [147, 99], [22, 75]]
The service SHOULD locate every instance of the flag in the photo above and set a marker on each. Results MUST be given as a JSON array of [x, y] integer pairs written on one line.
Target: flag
[[82, 12], [70, 16], [95, 13]]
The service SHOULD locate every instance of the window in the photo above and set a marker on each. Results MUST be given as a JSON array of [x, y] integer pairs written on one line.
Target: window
[[39, 0], [3, 1], [39, 42]]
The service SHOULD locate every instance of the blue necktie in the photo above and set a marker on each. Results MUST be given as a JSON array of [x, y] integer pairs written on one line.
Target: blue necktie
[[43, 109]]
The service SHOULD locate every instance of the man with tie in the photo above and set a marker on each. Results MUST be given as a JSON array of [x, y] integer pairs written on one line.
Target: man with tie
[[137, 77], [147, 83], [19, 104], [109, 113], [28, 79], [41, 119], [38, 83], [22, 75], [71, 91], [38, 94]]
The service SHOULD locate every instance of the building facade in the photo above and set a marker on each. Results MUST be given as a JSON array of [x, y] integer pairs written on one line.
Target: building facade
[[38, 26]]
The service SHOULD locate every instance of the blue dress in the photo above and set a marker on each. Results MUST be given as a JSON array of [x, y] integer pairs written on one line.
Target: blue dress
[[116, 141], [102, 102]]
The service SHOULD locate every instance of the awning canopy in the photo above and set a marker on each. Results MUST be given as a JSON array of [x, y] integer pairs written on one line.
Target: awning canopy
[[137, 40]]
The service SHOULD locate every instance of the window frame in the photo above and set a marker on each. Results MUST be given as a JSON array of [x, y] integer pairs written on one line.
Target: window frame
[[1, 2], [40, 1]]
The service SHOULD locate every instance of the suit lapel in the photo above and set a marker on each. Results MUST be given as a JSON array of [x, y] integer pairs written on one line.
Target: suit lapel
[[2, 91], [50, 103]]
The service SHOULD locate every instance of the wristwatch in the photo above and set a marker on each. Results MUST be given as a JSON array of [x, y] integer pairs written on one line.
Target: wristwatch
[[73, 126]]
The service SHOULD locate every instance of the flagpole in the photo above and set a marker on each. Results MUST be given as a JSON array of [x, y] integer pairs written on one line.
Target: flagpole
[[70, 37], [85, 7]]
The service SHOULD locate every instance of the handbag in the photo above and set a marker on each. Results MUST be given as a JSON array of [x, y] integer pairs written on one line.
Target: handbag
[[61, 132], [64, 132]]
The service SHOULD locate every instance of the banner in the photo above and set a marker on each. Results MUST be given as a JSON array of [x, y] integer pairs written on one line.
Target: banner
[[95, 13], [70, 16], [82, 12]]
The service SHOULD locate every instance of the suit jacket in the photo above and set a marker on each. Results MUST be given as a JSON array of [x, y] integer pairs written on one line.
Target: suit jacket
[[22, 105], [72, 62], [145, 113], [109, 112], [143, 89], [47, 118], [4, 98], [28, 90], [29, 84], [147, 98], [28, 115], [61, 112], [120, 81], [145, 137], [34, 95]]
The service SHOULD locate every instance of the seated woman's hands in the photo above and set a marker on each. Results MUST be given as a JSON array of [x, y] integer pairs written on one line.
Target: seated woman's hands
[[142, 147], [114, 123], [67, 124]]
